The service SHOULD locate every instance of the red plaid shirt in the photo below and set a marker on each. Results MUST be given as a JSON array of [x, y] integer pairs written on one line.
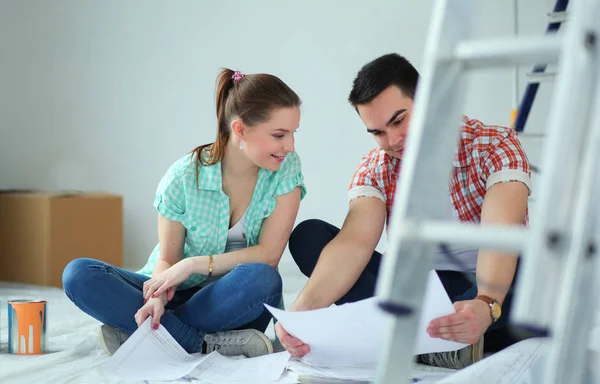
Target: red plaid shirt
[[488, 155]]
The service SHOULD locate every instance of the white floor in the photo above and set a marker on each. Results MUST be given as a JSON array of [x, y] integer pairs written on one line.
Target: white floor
[[74, 356]]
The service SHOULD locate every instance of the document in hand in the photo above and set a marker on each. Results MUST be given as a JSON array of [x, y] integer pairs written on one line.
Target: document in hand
[[352, 334]]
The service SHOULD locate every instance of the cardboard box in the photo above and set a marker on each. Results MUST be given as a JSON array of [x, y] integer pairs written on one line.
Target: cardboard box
[[40, 232]]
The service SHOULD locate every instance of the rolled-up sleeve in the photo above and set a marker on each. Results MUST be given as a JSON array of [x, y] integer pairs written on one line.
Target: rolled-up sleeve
[[170, 197], [507, 162], [290, 176], [364, 184]]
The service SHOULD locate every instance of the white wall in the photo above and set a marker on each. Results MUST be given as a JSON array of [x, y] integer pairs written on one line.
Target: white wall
[[106, 95]]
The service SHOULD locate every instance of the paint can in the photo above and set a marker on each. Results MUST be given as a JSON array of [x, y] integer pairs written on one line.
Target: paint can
[[27, 327]]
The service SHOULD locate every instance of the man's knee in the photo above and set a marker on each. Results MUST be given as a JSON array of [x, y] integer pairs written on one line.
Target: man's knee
[[303, 234]]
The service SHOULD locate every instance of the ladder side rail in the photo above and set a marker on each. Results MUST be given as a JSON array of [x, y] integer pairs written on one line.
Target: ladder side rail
[[532, 87], [544, 256], [406, 266], [574, 314]]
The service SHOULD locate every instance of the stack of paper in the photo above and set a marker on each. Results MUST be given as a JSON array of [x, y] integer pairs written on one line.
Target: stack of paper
[[364, 373], [154, 355], [221, 369], [521, 363], [345, 343]]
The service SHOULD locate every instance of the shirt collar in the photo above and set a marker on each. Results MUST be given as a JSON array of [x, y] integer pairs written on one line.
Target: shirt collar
[[463, 153], [212, 179]]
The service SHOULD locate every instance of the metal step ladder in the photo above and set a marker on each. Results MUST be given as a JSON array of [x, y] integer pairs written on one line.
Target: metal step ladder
[[558, 15], [558, 252], [538, 74]]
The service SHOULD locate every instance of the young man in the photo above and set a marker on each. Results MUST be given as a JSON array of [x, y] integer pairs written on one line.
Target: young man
[[490, 183]]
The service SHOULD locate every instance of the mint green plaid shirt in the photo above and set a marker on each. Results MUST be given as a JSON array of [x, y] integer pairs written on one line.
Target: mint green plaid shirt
[[203, 209]]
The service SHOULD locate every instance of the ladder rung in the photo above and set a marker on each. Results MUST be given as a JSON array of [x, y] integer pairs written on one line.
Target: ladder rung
[[537, 77], [538, 135], [490, 53], [494, 236], [558, 17]]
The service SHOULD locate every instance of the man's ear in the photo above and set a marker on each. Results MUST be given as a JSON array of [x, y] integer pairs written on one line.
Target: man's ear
[[237, 128]]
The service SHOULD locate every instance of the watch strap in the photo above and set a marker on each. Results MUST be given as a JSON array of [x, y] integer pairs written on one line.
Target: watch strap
[[491, 303]]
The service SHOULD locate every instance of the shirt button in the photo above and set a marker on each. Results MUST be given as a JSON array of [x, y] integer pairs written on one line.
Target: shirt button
[[266, 211], [193, 228]]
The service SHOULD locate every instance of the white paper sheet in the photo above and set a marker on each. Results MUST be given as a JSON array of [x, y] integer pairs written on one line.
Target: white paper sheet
[[431, 377], [288, 377], [352, 334], [521, 363], [217, 368], [151, 355], [437, 304], [364, 373], [339, 373]]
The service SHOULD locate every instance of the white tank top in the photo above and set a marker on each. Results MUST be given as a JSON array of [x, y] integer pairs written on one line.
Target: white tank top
[[236, 236]]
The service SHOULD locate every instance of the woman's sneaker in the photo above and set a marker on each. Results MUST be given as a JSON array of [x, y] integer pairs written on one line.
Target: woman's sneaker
[[111, 338], [454, 359], [247, 342]]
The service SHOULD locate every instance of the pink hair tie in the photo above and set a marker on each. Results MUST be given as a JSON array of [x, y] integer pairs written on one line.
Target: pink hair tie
[[237, 76]]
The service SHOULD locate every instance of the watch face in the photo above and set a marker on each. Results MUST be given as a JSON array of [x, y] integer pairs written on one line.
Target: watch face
[[496, 310]]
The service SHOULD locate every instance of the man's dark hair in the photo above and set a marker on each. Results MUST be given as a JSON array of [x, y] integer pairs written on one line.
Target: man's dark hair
[[375, 76]]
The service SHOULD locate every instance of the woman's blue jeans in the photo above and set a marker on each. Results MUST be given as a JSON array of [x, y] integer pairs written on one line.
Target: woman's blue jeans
[[113, 295]]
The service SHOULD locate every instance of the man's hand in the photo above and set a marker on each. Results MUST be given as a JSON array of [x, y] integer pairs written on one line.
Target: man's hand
[[294, 346], [467, 325]]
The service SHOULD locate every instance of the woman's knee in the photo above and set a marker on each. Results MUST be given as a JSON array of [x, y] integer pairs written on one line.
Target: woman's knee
[[266, 278], [77, 272]]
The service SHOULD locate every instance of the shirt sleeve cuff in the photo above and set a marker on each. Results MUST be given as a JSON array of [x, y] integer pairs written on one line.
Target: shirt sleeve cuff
[[506, 175], [365, 191], [165, 211]]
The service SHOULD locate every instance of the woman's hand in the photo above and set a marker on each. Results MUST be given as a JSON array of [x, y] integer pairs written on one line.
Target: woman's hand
[[169, 278], [153, 307]]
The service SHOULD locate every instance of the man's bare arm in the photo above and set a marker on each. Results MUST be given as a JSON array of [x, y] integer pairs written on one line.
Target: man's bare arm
[[343, 260], [504, 203]]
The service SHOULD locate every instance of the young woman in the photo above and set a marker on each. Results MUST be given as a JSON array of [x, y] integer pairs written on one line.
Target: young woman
[[225, 213]]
